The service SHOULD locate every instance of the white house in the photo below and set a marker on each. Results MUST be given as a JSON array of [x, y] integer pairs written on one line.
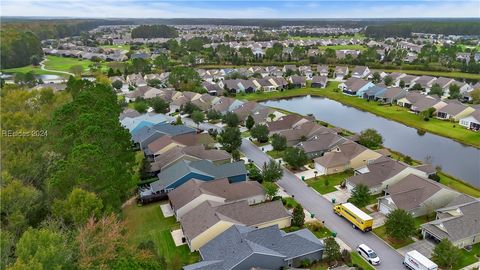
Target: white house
[[471, 121]]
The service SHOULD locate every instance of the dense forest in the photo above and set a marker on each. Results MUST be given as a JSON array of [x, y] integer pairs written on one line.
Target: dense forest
[[66, 169], [154, 31], [406, 29], [19, 48]]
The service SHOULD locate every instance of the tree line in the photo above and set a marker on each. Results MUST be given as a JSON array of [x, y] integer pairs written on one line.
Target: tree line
[[66, 170], [406, 29], [154, 31], [19, 48]]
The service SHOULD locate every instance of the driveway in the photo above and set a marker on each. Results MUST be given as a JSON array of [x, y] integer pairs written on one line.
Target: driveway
[[423, 246], [340, 196], [322, 208]]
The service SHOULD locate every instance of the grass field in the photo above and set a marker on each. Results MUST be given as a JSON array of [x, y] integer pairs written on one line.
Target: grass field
[[396, 244], [147, 223], [344, 47], [35, 70], [458, 185], [449, 74], [468, 257], [396, 113], [358, 260], [334, 179]]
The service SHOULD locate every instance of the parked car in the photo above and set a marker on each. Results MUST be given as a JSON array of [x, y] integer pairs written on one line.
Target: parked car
[[416, 261], [368, 254]]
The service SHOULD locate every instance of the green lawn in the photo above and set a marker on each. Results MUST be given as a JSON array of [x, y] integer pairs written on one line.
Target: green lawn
[[289, 202], [147, 223], [396, 113], [358, 260], [450, 74], [344, 47], [459, 185], [246, 134], [275, 154], [468, 257], [380, 232], [334, 179]]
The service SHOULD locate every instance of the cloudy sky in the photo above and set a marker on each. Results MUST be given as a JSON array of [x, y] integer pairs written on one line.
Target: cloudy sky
[[241, 9]]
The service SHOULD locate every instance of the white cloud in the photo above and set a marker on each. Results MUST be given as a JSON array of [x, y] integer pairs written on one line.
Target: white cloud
[[265, 9]]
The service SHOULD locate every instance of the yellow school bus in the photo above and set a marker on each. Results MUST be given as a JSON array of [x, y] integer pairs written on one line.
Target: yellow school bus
[[356, 216]]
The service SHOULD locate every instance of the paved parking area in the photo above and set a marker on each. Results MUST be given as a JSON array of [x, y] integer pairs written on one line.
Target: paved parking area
[[167, 210], [378, 219], [177, 236], [340, 196], [423, 246]]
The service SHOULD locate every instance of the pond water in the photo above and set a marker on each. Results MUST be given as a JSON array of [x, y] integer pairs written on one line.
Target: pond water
[[454, 158]]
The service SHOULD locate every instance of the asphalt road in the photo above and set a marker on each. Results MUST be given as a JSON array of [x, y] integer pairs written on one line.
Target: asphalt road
[[322, 208]]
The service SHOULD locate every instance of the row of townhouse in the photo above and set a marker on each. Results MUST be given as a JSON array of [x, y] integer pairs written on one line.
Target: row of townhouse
[[84, 53]]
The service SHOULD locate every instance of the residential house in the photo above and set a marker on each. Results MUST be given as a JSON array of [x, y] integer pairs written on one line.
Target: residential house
[[427, 102], [179, 173], [426, 82], [459, 222], [322, 70], [391, 95], [372, 92], [297, 81], [133, 123], [285, 122], [348, 155], [264, 84], [417, 195], [355, 86], [147, 134], [221, 191], [319, 144], [303, 132], [360, 72], [306, 71], [409, 81], [319, 81], [190, 153], [455, 111], [471, 121], [292, 68], [213, 88], [165, 143], [241, 247], [208, 220], [279, 82], [340, 72], [381, 173]]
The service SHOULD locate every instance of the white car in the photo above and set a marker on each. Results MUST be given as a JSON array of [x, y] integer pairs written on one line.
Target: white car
[[368, 254]]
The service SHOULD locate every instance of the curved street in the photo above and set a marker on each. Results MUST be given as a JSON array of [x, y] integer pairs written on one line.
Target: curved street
[[322, 208]]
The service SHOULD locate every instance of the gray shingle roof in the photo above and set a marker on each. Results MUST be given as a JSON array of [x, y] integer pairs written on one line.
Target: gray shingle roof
[[239, 242]]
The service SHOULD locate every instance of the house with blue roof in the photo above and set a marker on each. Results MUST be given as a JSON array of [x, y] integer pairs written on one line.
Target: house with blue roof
[[147, 134], [131, 123], [204, 170], [355, 86], [241, 247]]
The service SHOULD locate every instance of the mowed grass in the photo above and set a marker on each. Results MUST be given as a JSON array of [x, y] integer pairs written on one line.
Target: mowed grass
[[396, 244], [468, 257], [65, 63], [344, 47], [358, 260], [146, 223], [449, 74], [458, 185], [36, 70], [319, 184]]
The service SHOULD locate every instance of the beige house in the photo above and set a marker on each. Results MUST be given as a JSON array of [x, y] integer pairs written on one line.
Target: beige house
[[417, 195], [349, 155], [459, 222], [195, 192], [381, 173], [208, 220], [454, 111]]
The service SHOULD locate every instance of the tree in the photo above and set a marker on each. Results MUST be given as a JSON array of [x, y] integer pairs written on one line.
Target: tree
[[475, 95], [360, 195], [279, 142], [295, 157], [376, 77], [400, 224], [272, 171], [189, 108], [213, 115], [78, 207], [158, 104], [408, 160], [436, 90], [230, 119], [454, 91], [185, 79], [445, 254], [35, 60], [271, 189], [417, 87], [260, 132], [43, 249], [198, 117], [402, 84], [154, 83], [230, 139], [331, 250], [77, 70], [388, 80], [178, 121], [117, 84], [298, 218], [250, 122], [140, 106], [255, 174], [370, 138]]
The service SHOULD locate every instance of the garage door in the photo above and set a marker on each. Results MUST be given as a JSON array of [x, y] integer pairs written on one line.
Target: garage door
[[384, 209]]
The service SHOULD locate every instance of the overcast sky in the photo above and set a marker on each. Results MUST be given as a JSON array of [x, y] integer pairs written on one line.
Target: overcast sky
[[240, 9]]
